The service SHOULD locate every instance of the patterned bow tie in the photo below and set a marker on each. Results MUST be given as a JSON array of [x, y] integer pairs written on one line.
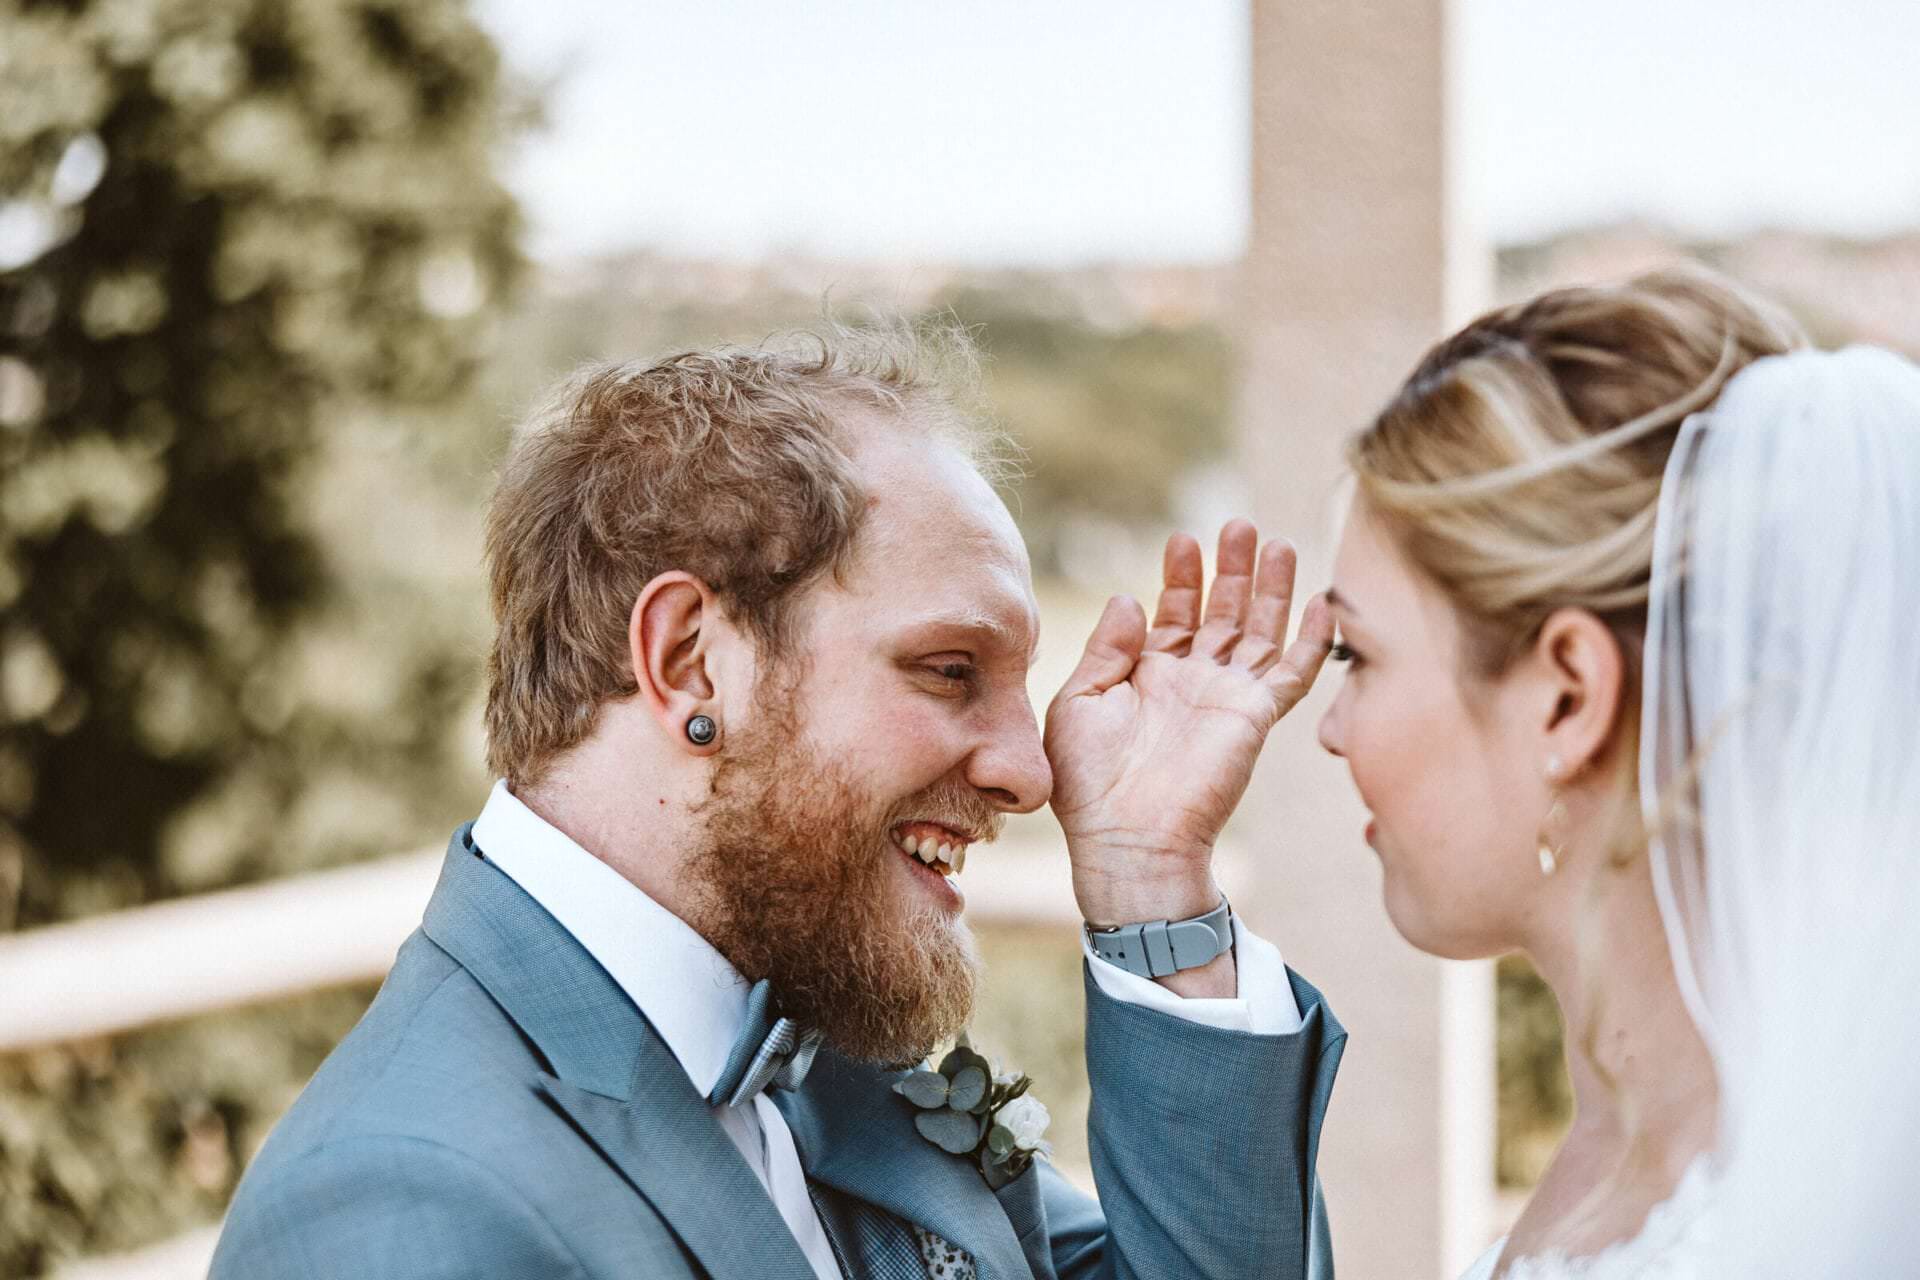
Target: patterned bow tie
[[769, 1053]]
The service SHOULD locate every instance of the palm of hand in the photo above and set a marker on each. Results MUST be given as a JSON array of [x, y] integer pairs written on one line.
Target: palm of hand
[[1154, 738], [1171, 748]]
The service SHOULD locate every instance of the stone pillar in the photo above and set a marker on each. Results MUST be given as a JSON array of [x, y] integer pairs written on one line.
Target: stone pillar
[[1358, 260]]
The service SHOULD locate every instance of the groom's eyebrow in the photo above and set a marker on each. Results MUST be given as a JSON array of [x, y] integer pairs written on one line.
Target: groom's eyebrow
[[984, 626], [1340, 602], [980, 624]]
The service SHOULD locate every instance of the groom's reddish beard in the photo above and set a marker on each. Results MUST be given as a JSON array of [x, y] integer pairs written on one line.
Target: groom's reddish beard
[[795, 883]]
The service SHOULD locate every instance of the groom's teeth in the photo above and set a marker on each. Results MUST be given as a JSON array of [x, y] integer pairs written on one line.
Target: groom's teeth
[[948, 857]]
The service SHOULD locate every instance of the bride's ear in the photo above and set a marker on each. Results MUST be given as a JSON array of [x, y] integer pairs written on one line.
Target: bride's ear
[[1583, 675], [672, 636]]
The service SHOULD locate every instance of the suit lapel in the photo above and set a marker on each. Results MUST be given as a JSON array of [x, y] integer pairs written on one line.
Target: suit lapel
[[856, 1134], [612, 1076], [721, 1213], [1026, 1212]]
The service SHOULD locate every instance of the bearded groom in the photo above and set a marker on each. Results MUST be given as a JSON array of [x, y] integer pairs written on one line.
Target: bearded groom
[[757, 697]]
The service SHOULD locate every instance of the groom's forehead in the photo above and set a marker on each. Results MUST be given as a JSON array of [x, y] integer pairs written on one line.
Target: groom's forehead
[[937, 547]]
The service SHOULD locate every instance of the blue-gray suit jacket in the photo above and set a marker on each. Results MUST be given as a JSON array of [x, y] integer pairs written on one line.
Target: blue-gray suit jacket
[[503, 1109]]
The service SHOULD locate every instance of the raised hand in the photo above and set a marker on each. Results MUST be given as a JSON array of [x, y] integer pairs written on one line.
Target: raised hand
[[1153, 737]]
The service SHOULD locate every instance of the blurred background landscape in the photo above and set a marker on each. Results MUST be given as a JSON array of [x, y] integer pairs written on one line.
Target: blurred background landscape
[[276, 280]]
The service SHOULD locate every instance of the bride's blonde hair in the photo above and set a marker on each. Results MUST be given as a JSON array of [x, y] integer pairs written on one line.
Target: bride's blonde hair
[[1519, 466]]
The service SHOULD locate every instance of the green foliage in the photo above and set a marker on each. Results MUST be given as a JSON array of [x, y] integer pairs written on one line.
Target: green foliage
[[955, 1132], [259, 221], [113, 1144], [1109, 419], [924, 1089], [1536, 1099]]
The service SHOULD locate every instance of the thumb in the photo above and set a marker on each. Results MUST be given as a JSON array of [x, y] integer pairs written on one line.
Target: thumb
[[1112, 649]]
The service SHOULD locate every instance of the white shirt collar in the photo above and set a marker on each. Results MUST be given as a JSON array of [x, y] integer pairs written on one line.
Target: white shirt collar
[[693, 997]]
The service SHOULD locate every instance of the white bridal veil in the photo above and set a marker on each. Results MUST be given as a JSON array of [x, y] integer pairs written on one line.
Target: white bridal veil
[[1780, 770]]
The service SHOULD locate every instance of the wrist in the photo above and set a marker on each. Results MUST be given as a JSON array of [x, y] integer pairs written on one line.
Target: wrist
[[1192, 957], [1115, 885]]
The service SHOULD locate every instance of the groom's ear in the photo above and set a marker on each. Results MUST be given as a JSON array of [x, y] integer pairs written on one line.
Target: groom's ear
[[1583, 675], [673, 636]]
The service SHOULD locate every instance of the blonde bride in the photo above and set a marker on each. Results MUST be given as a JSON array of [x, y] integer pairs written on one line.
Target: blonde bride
[[1629, 591]]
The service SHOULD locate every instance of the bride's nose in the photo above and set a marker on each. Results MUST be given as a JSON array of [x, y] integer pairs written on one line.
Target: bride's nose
[[1333, 731]]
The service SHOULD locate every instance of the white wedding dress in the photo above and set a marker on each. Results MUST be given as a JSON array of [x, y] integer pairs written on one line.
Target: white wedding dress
[[1671, 1245], [1782, 661]]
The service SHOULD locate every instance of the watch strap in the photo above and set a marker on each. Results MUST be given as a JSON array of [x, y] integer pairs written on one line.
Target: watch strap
[[1162, 947]]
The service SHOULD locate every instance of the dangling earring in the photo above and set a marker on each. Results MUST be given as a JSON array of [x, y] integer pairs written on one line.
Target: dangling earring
[[1549, 856]]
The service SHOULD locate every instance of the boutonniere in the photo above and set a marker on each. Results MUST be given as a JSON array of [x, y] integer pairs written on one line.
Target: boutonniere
[[968, 1109]]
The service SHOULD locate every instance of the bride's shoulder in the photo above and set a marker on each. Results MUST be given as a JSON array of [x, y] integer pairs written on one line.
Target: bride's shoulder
[[1669, 1245]]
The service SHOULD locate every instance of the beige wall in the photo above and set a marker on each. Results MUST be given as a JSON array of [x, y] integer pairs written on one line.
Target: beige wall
[[1359, 259]]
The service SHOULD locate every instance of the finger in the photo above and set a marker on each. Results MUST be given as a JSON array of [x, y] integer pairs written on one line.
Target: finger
[[1232, 585], [1272, 593], [1233, 574], [1293, 676], [1178, 612], [1112, 649]]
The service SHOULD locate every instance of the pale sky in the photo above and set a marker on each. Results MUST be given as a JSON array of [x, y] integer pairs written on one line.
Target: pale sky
[[1061, 131]]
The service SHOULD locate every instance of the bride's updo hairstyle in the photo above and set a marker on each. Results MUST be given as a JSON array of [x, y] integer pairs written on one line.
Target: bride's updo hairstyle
[[1519, 466]]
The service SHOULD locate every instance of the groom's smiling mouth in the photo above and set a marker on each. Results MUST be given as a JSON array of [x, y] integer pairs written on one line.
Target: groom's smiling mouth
[[937, 846]]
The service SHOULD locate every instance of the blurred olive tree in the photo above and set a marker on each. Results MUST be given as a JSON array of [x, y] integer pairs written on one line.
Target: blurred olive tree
[[226, 227]]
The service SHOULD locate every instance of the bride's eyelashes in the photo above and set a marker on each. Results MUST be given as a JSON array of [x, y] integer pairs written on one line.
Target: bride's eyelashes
[[1342, 652]]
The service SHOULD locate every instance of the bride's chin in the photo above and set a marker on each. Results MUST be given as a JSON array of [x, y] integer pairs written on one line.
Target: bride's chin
[[1430, 932]]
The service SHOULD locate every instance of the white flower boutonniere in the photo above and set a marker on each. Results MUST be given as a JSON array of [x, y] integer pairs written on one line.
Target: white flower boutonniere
[[968, 1109]]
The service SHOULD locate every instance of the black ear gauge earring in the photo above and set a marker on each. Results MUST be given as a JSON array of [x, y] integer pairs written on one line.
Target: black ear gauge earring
[[701, 730]]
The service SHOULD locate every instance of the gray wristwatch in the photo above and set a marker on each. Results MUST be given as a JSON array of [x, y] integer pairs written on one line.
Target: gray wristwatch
[[1161, 947]]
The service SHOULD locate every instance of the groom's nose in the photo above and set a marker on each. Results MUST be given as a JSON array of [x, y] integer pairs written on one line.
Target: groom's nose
[[1009, 767]]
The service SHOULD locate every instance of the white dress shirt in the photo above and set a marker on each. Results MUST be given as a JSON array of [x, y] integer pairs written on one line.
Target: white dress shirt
[[696, 1000]]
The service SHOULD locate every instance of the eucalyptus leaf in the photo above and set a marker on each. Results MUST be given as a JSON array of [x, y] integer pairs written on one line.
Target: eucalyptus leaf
[[956, 1060], [924, 1089], [969, 1089], [1000, 1140], [951, 1131], [1000, 1172]]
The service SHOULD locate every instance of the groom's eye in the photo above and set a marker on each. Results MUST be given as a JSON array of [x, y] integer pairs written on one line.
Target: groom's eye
[[1342, 652], [951, 675]]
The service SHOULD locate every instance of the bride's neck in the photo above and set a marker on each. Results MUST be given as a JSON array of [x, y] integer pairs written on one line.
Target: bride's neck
[[1641, 1075]]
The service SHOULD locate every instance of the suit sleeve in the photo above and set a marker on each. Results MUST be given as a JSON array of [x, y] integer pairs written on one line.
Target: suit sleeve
[[1204, 1141], [395, 1207]]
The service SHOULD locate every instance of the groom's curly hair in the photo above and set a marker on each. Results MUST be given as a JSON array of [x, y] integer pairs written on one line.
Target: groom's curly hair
[[730, 464]]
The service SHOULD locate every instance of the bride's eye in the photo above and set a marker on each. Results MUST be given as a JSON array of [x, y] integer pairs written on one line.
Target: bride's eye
[[1342, 652]]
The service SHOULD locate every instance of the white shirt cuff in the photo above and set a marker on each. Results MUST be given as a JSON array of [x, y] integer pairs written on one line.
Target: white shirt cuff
[[1265, 1005]]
